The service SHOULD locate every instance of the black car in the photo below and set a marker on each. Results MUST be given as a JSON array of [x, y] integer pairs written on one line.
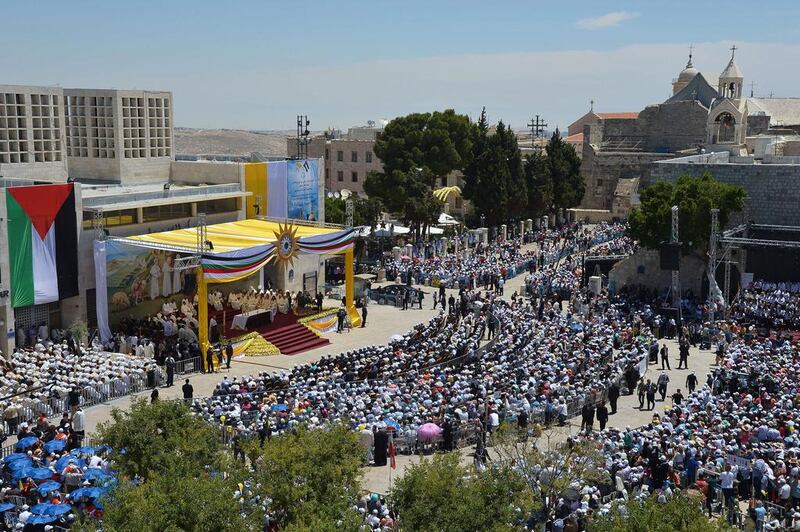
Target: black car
[[391, 294]]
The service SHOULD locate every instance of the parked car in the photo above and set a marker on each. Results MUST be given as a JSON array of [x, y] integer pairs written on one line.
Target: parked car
[[390, 294]]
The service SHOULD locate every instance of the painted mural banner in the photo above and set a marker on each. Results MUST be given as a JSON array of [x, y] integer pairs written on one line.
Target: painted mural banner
[[302, 182], [42, 243]]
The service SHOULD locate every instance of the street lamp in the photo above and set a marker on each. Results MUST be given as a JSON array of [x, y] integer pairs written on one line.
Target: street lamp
[[483, 220]]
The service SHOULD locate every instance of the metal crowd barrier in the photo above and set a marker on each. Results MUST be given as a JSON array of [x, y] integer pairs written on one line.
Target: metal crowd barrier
[[91, 396], [188, 365]]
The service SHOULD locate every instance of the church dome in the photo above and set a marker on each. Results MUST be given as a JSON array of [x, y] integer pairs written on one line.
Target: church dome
[[688, 73]]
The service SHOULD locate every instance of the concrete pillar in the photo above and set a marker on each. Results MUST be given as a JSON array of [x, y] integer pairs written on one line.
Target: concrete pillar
[[503, 233], [396, 252], [529, 225], [521, 228]]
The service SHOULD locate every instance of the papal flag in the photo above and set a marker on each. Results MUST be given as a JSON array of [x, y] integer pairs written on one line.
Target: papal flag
[[42, 243]]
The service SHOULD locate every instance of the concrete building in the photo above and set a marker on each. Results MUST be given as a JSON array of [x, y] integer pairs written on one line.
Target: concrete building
[[32, 132], [348, 157], [50, 133], [115, 135]]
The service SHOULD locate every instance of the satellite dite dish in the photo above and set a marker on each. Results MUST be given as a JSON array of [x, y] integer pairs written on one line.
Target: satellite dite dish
[[330, 194], [337, 194]]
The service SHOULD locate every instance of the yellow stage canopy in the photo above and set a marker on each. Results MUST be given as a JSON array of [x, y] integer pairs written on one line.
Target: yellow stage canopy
[[230, 236]]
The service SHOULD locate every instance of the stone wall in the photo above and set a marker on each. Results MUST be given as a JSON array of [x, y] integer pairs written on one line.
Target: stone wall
[[643, 268], [773, 190], [673, 127], [757, 124], [602, 170]]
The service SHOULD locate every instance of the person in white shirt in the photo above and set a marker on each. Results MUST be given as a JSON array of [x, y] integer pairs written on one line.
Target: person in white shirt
[[726, 479]]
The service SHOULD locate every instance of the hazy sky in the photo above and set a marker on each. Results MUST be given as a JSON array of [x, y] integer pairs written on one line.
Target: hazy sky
[[256, 65]]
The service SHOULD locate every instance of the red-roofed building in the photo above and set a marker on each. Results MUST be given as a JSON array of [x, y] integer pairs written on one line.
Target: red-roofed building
[[595, 118]]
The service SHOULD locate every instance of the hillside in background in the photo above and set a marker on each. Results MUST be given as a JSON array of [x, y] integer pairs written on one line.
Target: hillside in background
[[189, 141]]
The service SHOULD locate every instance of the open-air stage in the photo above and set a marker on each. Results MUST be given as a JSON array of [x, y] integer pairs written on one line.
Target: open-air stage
[[217, 255]]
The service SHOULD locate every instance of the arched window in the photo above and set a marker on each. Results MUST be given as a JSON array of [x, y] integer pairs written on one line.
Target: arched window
[[726, 128]]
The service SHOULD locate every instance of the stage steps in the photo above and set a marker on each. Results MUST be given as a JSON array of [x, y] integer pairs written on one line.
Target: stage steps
[[295, 338]]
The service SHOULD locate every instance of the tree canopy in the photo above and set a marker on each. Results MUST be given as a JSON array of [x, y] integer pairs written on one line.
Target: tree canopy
[[418, 150], [495, 179], [311, 476], [564, 170], [650, 223], [680, 513], [159, 437], [441, 494], [366, 211], [173, 501]]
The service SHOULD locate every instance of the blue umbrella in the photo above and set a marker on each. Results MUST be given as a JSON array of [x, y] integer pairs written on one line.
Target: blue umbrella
[[16, 465], [83, 450], [54, 446], [47, 487], [15, 456], [38, 473], [51, 509], [6, 506], [94, 473], [392, 423], [41, 519], [26, 442], [281, 407], [62, 462], [88, 491]]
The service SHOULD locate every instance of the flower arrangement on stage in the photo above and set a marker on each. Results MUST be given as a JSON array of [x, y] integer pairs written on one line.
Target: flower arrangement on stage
[[318, 315], [253, 345], [321, 322]]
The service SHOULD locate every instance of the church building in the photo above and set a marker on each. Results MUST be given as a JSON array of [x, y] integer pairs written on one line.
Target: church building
[[619, 149]]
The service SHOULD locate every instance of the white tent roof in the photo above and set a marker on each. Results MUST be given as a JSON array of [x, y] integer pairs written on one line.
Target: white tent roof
[[446, 219]]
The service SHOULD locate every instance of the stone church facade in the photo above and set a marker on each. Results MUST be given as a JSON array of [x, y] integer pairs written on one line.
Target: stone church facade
[[618, 153]]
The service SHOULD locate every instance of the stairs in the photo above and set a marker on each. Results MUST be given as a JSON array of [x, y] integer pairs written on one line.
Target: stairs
[[295, 338]]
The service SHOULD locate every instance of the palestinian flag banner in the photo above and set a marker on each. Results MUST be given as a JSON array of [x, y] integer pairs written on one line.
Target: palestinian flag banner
[[42, 243]]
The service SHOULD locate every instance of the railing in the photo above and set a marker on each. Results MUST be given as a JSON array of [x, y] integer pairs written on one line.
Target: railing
[[188, 365], [107, 391]]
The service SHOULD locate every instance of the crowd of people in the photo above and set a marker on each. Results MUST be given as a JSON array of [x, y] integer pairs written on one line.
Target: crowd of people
[[771, 305], [52, 378], [53, 479]]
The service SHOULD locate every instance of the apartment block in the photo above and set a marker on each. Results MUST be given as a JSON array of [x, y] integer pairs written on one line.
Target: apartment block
[[119, 135], [50, 134], [32, 132]]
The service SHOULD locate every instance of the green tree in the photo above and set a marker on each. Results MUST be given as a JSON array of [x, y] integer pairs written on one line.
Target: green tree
[[311, 476], [335, 211], [564, 169], [418, 150], [548, 464], [174, 501], [440, 494], [163, 436], [681, 513], [495, 178], [650, 223], [539, 185], [366, 211]]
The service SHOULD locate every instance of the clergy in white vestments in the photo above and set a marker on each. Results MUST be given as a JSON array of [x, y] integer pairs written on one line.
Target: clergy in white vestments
[[166, 285], [155, 277]]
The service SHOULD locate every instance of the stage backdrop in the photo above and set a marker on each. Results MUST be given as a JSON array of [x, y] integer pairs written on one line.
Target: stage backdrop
[[139, 280], [302, 183], [285, 189], [42, 243]]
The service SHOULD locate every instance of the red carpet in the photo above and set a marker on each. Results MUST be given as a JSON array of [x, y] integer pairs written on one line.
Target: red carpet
[[293, 339], [284, 333]]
